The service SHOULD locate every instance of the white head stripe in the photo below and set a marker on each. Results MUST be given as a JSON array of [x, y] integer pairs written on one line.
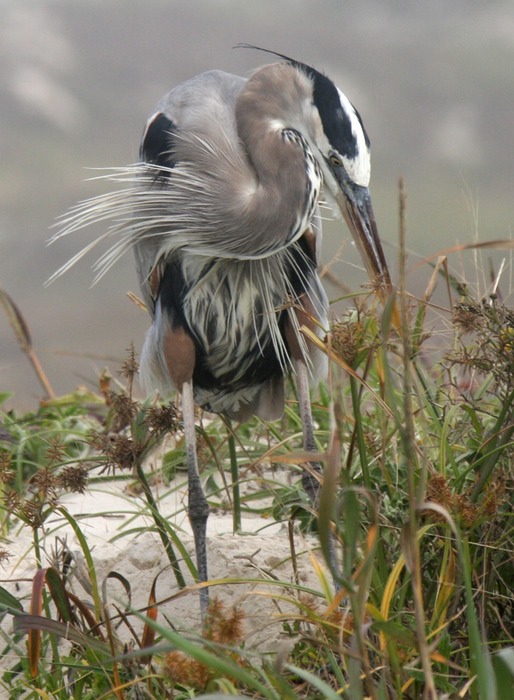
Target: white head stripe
[[358, 168]]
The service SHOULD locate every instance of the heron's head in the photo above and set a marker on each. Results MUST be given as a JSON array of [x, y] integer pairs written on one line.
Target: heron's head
[[338, 140]]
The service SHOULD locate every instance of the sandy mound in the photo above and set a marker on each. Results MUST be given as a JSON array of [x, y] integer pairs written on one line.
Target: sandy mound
[[117, 526]]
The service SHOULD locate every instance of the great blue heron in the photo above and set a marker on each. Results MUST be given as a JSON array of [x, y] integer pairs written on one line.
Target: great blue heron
[[222, 214]]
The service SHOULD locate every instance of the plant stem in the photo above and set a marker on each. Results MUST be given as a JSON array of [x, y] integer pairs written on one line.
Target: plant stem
[[168, 547], [415, 480], [361, 443], [504, 428], [234, 472]]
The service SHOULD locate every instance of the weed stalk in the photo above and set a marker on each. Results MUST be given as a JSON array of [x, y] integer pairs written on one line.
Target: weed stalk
[[415, 476]]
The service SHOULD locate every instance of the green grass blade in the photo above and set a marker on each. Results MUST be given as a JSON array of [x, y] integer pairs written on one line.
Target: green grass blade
[[327, 692], [88, 558]]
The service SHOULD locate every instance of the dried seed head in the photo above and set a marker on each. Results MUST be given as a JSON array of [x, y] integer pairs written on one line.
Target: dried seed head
[[163, 419], [467, 317], [346, 339], [73, 478]]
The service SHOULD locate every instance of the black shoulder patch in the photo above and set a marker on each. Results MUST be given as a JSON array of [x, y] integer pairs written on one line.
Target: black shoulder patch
[[157, 145]]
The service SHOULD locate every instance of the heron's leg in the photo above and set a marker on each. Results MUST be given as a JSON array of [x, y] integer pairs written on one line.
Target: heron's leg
[[198, 508], [309, 480]]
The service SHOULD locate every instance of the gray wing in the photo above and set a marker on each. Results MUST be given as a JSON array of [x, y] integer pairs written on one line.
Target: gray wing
[[202, 108]]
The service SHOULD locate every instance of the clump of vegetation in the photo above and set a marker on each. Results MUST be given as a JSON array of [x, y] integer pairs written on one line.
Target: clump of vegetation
[[223, 629], [418, 492]]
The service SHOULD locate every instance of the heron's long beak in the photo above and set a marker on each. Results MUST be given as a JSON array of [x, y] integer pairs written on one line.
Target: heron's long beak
[[354, 202]]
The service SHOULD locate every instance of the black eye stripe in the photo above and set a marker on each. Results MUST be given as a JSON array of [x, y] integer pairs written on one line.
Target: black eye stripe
[[336, 122]]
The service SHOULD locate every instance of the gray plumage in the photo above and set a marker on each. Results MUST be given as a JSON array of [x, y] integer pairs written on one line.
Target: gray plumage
[[222, 215]]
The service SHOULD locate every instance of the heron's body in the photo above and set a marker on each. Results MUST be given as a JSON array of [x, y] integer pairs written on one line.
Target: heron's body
[[237, 303], [222, 213], [237, 329]]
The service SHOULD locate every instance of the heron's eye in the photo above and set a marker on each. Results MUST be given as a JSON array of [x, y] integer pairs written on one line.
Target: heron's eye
[[335, 160]]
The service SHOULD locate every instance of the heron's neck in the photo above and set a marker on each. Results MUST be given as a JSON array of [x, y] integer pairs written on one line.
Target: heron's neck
[[286, 177], [287, 183]]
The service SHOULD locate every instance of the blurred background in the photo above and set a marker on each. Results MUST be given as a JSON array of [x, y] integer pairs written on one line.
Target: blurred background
[[434, 83]]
